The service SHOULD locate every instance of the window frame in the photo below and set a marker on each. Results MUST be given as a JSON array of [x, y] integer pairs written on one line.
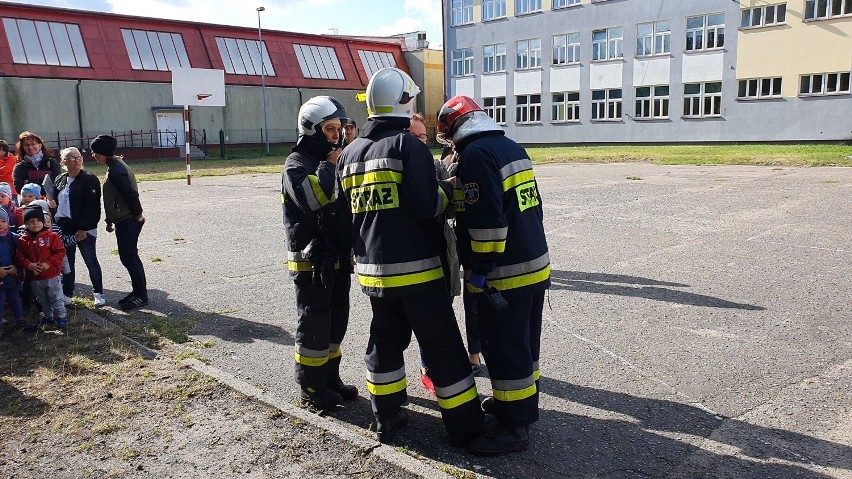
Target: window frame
[[528, 55], [746, 86], [565, 105], [563, 4], [494, 62], [56, 44], [137, 62], [461, 12], [813, 7], [655, 106], [493, 7], [527, 7], [704, 33], [654, 39], [529, 108], [573, 47], [496, 109], [608, 105], [747, 16], [702, 98], [610, 43], [840, 79], [462, 66]]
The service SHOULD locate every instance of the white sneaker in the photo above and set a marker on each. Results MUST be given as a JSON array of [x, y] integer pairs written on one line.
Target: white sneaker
[[99, 299], [68, 300]]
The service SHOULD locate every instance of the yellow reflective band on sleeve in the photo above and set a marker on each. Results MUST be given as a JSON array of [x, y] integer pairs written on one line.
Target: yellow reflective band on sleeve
[[385, 389], [309, 361], [522, 280], [518, 179], [319, 194], [536, 374], [444, 201], [514, 395], [299, 266], [488, 246], [401, 280], [371, 178], [458, 199], [457, 401]]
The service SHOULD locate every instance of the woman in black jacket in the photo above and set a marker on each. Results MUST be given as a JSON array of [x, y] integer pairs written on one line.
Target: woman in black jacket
[[78, 211], [35, 161]]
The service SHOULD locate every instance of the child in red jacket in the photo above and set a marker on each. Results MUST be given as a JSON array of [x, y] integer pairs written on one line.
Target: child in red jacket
[[40, 253]]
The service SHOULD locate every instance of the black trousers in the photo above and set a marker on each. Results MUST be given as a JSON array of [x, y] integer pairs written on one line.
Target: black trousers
[[511, 344], [429, 314], [323, 315]]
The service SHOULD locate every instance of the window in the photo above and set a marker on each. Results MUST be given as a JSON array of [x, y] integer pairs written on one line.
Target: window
[[243, 57], [462, 62], [757, 88], [564, 3], [155, 50], [705, 32], [824, 84], [495, 108], [494, 58], [462, 12], [565, 106], [652, 102], [374, 61], [528, 54], [492, 9], [45, 43], [608, 44], [528, 109], [654, 38], [527, 6], [566, 49], [318, 62], [764, 16], [822, 9], [606, 105], [702, 100]]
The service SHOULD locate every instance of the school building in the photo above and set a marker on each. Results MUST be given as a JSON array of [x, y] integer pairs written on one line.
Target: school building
[[649, 71], [71, 74]]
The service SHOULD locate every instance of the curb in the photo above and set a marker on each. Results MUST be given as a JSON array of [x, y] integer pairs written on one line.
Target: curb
[[415, 467]]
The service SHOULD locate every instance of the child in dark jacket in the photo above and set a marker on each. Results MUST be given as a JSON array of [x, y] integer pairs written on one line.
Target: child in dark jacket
[[40, 253], [9, 273], [8, 204]]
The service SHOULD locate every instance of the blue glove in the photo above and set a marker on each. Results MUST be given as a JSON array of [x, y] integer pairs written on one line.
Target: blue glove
[[476, 280]]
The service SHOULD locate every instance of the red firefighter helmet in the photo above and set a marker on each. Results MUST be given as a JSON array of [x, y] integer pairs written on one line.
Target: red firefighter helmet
[[453, 109]]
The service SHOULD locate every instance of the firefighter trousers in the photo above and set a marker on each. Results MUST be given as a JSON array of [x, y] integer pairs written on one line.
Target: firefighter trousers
[[510, 344], [429, 314], [323, 315]]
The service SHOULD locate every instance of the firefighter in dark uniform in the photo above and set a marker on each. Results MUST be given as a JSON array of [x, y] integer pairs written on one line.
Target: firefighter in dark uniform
[[388, 178], [319, 252], [503, 250]]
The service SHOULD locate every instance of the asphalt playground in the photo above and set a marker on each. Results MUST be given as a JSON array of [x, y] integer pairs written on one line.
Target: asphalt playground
[[699, 324]]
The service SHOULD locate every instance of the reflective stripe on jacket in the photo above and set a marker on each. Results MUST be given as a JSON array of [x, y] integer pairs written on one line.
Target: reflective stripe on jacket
[[388, 180]]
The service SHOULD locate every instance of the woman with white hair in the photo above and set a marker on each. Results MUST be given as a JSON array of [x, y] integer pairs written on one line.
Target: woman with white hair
[[78, 211]]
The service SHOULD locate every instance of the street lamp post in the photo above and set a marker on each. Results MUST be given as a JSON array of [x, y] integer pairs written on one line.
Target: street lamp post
[[263, 79]]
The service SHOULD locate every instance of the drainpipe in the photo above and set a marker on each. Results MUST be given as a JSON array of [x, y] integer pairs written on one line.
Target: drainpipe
[[80, 110]]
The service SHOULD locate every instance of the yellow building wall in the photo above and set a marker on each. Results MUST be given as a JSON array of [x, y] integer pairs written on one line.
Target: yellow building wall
[[793, 49]]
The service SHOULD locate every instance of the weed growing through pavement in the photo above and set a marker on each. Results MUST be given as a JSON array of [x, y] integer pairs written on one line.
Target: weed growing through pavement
[[457, 473]]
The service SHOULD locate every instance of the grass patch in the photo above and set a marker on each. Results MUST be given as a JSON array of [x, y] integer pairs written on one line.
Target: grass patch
[[156, 259], [152, 329], [252, 161], [783, 155]]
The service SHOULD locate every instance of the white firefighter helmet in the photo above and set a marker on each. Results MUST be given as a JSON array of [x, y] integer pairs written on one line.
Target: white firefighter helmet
[[317, 110], [391, 92]]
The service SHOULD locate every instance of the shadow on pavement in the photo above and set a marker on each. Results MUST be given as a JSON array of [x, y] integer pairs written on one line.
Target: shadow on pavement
[[602, 283]]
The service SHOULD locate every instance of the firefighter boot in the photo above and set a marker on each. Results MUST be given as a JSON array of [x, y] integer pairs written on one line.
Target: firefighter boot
[[500, 441], [347, 391], [322, 401], [388, 426]]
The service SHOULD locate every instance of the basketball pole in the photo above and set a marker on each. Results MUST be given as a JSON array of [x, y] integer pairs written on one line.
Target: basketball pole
[[186, 139]]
